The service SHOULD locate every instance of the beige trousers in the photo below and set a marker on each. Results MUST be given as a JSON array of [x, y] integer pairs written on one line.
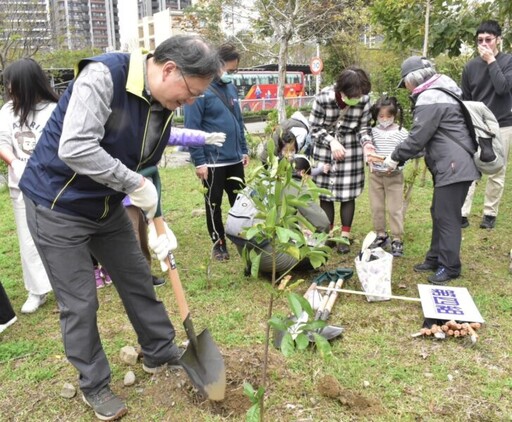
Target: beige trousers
[[495, 182], [386, 192]]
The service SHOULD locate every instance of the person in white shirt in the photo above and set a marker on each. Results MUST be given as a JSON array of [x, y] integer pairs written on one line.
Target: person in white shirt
[[22, 119]]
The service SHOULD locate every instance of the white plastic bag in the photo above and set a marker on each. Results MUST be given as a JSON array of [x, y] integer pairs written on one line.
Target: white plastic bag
[[374, 267]]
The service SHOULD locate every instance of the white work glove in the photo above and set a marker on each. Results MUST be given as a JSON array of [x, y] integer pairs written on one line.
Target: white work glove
[[18, 167], [216, 139], [161, 245], [337, 150], [390, 163], [146, 198]]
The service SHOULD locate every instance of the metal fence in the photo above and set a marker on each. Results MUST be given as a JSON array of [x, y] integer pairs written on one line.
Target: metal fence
[[271, 103]]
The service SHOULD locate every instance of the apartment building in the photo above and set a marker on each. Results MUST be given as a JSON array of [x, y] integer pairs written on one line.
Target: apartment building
[[79, 24], [160, 19], [24, 24]]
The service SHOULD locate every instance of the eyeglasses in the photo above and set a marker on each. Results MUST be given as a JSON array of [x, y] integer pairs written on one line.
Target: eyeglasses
[[232, 72], [192, 95], [487, 40]]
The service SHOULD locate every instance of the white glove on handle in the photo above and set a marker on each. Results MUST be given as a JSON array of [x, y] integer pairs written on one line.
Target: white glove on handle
[[161, 245], [146, 198], [390, 163], [216, 139]]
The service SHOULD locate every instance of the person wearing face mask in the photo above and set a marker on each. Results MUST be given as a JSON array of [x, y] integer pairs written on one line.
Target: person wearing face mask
[[488, 78], [386, 186], [219, 169], [340, 130]]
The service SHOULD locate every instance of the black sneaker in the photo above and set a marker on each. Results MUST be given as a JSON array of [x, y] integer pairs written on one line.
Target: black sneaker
[[464, 222], [220, 251], [157, 282], [397, 248], [488, 222], [173, 362], [381, 242], [441, 276], [425, 267], [106, 405]]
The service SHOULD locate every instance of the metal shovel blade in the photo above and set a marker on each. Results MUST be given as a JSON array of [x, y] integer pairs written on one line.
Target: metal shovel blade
[[328, 332], [205, 366]]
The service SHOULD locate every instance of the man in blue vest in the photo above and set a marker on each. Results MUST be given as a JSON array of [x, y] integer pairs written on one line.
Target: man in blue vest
[[113, 121]]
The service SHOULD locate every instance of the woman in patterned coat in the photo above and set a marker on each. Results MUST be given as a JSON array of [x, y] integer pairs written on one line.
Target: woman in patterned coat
[[340, 129]]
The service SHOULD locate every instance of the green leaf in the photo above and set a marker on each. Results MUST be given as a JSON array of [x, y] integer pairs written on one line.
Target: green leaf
[[278, 323], [294, 301], [249, 391], [316, 260], [253, 414], [315, 325], [287, 345], [323, 346], [284, 234], [306, 306], [255, 264], [293, 251], [302, 341]]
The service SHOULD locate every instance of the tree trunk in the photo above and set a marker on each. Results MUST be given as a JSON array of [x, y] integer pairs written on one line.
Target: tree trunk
[[282, 59]]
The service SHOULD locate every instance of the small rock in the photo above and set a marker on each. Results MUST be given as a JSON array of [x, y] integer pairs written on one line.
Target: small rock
[[68, 391], [128, 355], [428, 374], [450, 377], [366, 384], [290, 406], [313, 401], [129, 379]]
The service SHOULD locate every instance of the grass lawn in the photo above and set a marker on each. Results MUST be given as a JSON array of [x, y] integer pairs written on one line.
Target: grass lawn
[[378, 372]]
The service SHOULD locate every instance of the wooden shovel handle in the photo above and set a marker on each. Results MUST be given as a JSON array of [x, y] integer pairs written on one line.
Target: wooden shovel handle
[[334, 295], [173, 273], [325, 299]]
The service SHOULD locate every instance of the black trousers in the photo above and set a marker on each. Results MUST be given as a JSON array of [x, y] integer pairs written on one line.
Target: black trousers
[[220, 180], [446, 215], [6, 311]]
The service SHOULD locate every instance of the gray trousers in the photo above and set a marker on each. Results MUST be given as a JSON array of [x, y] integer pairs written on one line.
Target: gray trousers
[[64, 243]]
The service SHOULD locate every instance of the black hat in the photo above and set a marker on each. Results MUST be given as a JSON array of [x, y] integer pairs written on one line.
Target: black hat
[[410, 65]]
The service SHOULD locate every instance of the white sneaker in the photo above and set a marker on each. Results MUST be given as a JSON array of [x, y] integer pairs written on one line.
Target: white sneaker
[[3, 327], [33, 303]]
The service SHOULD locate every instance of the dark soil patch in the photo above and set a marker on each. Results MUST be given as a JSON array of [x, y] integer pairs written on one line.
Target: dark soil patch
[[355, 403], [242, 365]]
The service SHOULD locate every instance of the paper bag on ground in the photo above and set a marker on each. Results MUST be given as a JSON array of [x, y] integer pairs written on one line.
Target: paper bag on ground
[[374, 267]]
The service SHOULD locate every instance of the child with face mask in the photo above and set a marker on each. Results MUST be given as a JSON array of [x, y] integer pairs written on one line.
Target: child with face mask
[[387, 185]]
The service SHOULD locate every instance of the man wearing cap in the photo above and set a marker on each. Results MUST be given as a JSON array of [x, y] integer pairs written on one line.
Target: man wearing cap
[[437, 119], [488, 78]]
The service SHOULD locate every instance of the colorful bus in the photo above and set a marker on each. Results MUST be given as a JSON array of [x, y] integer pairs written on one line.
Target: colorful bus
[[257, 89]]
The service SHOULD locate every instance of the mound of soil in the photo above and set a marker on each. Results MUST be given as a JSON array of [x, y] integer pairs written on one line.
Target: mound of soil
[[356, 403], [242, 365]]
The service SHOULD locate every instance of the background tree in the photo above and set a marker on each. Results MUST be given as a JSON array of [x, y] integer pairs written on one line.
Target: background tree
[[452, 23], [22, 33]]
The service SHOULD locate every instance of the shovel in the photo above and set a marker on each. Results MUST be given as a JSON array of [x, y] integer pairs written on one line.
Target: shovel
[[312, 296], [329, 331], [202, 359]]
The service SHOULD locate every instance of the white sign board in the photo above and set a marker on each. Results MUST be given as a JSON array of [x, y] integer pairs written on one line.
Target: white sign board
[[443, 302]]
